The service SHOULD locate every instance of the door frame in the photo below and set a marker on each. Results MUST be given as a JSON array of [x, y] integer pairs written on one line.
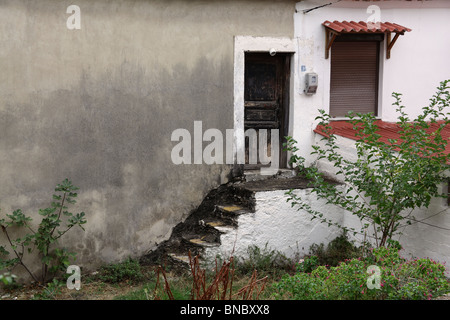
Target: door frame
[[243, 44], [283, 76]]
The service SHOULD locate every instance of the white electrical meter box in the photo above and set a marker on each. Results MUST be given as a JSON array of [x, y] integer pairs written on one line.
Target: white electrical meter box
[[311, 82]]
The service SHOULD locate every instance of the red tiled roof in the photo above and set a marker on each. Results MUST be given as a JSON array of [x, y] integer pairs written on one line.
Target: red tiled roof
[[387, 130], [362, 27]]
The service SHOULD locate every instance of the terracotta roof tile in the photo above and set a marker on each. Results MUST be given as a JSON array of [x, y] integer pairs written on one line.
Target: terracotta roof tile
[[387, 130], [363, 27]]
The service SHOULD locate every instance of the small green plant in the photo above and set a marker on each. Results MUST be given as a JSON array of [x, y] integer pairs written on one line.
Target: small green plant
[[400, 279], [265, 260], [308, 264], [50, 291], [8, 279], [128, 270], [339, 249], [50, 229]]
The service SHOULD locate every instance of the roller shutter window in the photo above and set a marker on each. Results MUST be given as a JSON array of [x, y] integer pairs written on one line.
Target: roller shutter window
[[354, 77]]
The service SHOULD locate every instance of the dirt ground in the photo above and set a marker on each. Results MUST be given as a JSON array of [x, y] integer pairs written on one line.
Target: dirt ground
[[90, 291]]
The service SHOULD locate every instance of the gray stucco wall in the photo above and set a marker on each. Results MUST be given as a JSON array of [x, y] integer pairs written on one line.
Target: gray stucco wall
[[98, 106]]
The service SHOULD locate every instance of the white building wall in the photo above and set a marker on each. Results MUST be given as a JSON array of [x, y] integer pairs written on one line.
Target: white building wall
[[428, 237], [419, 59], [276, 225], [419, 62]]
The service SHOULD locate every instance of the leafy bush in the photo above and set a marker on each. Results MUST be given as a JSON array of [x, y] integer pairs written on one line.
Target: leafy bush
[[50, 291], [308, 264], [265, 261], [387, 180], [49, 230], [399, 279], [8, 279], [127, 270], [339, 249]]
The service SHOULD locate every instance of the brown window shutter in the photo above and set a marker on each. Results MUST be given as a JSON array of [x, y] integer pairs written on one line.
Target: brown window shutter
[[354, 77]]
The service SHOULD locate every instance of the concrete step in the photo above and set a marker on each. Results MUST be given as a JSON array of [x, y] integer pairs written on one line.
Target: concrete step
[[231, 210], [221, 226], [255, 175], [179, 258], [229, 213], [203, 243], [202, 231]]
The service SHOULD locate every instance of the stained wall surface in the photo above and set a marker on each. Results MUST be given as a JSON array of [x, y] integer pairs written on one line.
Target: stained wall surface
[[98, 105]]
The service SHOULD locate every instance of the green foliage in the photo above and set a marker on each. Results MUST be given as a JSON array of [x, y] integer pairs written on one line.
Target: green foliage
[[180, 289], [339, 249], [308, 264], [116, 272], [387, 181], [50, 229], [399, 279], [50, 291], [8, 279], [265, 261]]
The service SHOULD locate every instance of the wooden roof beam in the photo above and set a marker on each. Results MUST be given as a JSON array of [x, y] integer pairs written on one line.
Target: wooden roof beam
[[390, 43], [330, 36]]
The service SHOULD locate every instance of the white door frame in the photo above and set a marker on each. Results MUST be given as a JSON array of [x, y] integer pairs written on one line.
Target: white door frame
[[243, 44]]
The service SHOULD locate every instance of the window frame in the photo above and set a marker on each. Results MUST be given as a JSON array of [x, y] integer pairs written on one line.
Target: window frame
[[358, 37]]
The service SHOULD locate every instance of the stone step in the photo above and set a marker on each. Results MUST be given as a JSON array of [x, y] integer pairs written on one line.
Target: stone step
[[255, 175], [231, 210], [180, 258], [203, 243], [202, 231], [201, 240], [221, 226]]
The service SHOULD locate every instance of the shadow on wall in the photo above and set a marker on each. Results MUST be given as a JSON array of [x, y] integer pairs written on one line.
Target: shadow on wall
[[111, 136]]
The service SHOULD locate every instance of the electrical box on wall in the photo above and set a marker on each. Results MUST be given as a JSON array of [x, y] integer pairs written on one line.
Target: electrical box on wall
[[311, 82]]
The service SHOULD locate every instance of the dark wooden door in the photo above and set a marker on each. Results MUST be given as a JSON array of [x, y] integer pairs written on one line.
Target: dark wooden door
[[266, 102]]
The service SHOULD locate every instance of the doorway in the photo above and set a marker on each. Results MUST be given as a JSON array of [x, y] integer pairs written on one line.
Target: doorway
[[266, 106]]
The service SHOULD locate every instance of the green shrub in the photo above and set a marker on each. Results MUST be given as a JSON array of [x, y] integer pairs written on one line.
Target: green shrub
[[265, 261], [386, 179], [339, 249], [50, 291], [399, 279], [308, 264], [8, 281], [56, 220], [127, 270]]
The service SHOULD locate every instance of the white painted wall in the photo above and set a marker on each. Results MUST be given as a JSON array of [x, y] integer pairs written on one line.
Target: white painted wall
[[428, 238], [419, 59], [285, 229], [279, 226]]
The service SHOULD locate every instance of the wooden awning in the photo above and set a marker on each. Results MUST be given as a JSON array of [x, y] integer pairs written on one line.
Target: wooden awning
[[336, 28]]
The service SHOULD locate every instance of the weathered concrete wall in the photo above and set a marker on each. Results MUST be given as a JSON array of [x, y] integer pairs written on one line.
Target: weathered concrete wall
[[98, 105]]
